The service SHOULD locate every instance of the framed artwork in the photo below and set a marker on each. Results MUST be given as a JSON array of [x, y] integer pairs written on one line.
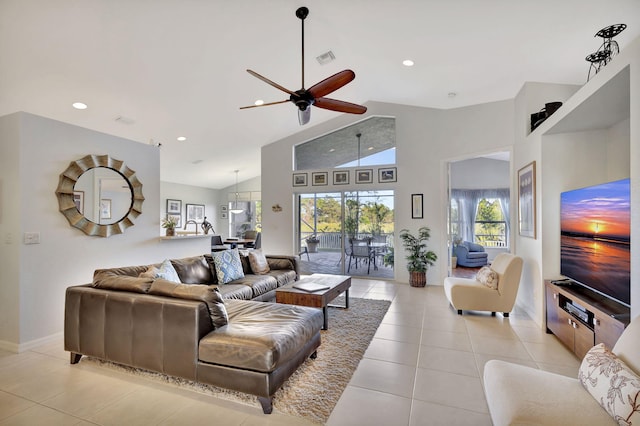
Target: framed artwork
[[224, 208], [105, 208], [224, 215], [527, 200], [299, 179], [195, 212], [174, 206], [417, 206], [364, 175], [319, 178], [78, 200], [340, 177], [387, 174]]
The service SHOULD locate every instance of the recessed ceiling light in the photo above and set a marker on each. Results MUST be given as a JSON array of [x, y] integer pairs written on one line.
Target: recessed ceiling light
[[259, 102], [332, 150], [452, 94], [325, 58], [370, 148], [79, 105], [181, 138], [408, 63]]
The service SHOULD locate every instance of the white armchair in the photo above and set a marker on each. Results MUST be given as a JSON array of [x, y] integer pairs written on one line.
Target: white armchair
[[471, 295]]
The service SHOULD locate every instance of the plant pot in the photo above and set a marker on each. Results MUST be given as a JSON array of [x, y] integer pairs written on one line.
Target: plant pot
[[170, 232], [417, 279], [312, 246]]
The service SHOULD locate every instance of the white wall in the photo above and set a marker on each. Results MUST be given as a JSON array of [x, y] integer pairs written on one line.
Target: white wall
[[211, 198], [9, 227], [480, 173], [34, 277], [425, 138]]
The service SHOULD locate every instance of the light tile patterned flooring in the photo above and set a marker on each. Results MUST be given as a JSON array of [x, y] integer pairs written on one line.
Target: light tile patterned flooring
[[423, 367]]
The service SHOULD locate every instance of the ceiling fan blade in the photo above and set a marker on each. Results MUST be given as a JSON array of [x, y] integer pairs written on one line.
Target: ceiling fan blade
[[340, 106], [331, 84], [269, 82], [267, 104], [304, 116]]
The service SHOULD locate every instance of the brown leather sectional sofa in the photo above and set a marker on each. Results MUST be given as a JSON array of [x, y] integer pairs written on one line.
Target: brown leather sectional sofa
[[195, 329]]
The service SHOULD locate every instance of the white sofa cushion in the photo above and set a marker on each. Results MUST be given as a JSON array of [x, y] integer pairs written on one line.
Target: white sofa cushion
[[488, 277], [519, 395], [612, 383]]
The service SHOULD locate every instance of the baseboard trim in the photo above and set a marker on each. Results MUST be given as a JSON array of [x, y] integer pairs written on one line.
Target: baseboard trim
[[27, 346]]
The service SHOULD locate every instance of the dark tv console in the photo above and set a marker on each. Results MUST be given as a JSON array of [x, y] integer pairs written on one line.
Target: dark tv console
[[581, 318]]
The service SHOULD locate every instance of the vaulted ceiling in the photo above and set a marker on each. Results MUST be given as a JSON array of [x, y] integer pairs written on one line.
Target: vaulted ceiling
[[175, 68]]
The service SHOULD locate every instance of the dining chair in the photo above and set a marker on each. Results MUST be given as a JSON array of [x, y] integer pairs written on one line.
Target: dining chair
[[216, 243]]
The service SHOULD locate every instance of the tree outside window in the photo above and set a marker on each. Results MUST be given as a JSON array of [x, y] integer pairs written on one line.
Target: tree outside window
[[490, 227]]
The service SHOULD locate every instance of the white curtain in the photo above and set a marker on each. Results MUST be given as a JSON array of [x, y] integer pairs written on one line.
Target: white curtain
[[468, 200]]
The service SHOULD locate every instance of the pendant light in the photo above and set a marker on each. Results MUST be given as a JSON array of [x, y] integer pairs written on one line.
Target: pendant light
[[235, 209]]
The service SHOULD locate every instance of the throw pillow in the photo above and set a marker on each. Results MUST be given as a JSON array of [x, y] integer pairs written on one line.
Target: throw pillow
[[167, 271], [488, 277], [258, 261], [228, 265], [201, 292], [612, 383], [193, 270]]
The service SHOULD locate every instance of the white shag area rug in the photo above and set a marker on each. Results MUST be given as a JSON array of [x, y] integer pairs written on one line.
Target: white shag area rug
[[314, 389]]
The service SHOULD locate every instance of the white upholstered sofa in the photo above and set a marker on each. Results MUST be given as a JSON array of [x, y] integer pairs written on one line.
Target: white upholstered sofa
[[519, 395]]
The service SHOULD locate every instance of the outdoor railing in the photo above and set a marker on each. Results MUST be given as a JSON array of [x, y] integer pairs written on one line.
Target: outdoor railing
[[333, 240]]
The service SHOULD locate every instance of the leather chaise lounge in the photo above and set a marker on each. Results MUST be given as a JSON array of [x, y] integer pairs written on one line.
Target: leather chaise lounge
[[189, 330]]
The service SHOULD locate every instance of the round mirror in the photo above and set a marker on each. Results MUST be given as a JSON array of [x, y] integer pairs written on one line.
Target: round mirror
[[106, 195], [99, 195]]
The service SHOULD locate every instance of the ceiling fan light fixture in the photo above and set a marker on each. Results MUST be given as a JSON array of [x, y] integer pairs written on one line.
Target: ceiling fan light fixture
[[235, 209]]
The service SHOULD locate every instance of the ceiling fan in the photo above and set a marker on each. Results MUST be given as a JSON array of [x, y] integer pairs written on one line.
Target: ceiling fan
[[314, 95]]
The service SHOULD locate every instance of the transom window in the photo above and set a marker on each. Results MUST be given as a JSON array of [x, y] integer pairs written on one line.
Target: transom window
[[369, 142]]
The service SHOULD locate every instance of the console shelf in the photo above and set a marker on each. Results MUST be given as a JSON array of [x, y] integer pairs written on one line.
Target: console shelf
[[581, 318]]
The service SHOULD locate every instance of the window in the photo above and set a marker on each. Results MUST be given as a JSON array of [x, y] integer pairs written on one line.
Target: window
[[490, 228], [369, 142], [480, 216]]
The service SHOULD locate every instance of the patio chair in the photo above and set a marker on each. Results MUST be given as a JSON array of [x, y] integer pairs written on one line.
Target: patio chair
[[361, 250]]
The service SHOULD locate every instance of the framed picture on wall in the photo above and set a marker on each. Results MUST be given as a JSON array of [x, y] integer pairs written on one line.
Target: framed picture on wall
[[105, 208], [224, 215], [299, 179], [195, 212], [78, 200], [417, 206], [224, 208], [364, 176], [527, 200], [174, 206], [319, 178], [387, 174], [340, 177]]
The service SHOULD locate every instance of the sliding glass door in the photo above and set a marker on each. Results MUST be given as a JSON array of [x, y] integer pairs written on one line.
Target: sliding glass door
[[347, 233]]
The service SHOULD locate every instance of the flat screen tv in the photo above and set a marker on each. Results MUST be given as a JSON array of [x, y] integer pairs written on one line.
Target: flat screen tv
[[595, 228]]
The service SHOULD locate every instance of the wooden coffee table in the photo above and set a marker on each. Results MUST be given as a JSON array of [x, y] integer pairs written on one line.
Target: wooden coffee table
[[337, 284]]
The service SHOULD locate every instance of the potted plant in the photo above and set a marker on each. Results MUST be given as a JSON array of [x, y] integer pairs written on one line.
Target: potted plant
[[418, 257], [454, 259], [312, 243], [169, 223]]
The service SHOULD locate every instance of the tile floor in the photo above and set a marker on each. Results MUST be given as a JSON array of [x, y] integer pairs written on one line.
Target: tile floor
[[423, 367]]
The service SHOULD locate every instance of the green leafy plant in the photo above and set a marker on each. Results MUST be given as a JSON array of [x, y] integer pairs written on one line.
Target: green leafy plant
[[313, 239], [419, 258], [169, 222]]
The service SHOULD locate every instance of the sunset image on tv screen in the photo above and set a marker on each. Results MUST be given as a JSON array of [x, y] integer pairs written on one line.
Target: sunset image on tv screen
[[595, 227], [601, 211]]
